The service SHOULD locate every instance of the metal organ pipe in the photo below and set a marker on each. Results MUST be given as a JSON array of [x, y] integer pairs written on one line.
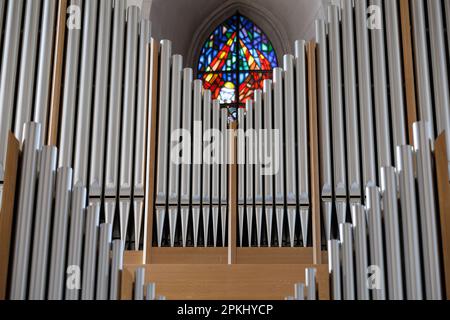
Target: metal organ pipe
[[376, 242], [69, 108], [428, 212], [115, 102], [100, 99], [337, 111], [392, 233], [324, 126], [44, 65], [395, 73], [8, 74], [259, 178], [302, 137], [365, 95], [381, 104], [440, 72], [83, 112], [278, 124], [422, 68], [25, 210], [41, 239], [411, 246], [27, 66], [361, 255], [59, 234], [353, 160]]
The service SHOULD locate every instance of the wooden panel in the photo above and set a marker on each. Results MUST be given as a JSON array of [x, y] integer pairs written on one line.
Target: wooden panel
[[227, 282], [314, 152], [190, 255], [233, 192], [443, 185], [274, 255], [7, 210], [151, 151], [58, 62], [126, 284], [133, 257], [408, 66]]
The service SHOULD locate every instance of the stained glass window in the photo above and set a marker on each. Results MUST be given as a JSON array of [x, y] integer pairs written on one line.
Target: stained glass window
[[235, 60]]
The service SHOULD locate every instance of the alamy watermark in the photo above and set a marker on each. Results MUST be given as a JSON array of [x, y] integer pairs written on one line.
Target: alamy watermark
[[212, 146]]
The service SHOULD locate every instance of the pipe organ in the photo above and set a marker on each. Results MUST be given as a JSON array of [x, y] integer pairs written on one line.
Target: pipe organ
[[122, 178]]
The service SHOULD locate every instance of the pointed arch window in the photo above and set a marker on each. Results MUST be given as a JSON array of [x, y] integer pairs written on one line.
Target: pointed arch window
[[235, 60]]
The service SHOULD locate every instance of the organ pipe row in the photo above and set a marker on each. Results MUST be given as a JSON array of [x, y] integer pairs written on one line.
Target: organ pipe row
[[191, 184], [75, 201], [378, 222], [283, 104]]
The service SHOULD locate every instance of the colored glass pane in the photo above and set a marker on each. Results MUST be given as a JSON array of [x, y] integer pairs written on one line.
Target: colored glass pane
[[235, 60]]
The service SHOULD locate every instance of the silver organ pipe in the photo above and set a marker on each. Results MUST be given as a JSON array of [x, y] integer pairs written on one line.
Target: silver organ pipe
[[422, 66], [90, 252], [128, 118], [324, 126], [206, 167], [41, 238], [187, 156], [289, 146], [267, 146], [60, 231], [302, 138], [259, 178], [428, 212], [392, 232], [337, 112], [397, 103], [251, 163], [44, 64], [83, 110], [8, 73], [25, 211], [75, 245], [215, 169], [27, 66], [381, 105], [376, 242], [361, 255], [241, 172], [440, 73], [115, 99], [279, 190], [100, 99], [141, 129], [224, 175], [408, 202], [365, 95], [66, 136], [351, 102]]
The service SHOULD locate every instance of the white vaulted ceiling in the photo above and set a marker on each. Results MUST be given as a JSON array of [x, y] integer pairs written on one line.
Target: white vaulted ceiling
[[179, 20]]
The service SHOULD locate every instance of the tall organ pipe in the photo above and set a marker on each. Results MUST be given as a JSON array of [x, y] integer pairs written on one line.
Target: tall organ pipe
[[25, 212], [44, 65], [27, 66], [83, 123], [8, 74], [324, 125], [69, 108], [428, 212], [408, 201], [365, 95], [100, 99]]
